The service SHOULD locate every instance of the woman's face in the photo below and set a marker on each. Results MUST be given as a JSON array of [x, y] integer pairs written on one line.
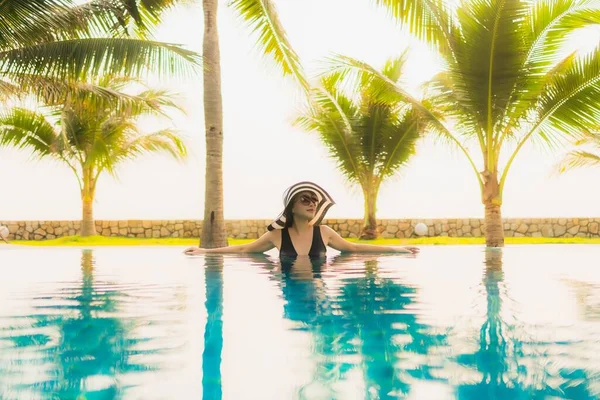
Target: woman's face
[[305, 205]]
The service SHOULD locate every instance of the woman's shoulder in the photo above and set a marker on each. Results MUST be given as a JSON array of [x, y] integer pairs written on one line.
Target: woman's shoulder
[[326, 227], [325, 230], [274, 233]]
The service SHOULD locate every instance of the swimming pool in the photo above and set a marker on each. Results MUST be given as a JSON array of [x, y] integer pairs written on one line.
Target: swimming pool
[[150, 323]]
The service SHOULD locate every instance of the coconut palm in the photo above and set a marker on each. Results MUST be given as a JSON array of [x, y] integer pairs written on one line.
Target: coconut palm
[[48, 43], [213, 226], [371, 135], [90, 139], [506, 81], [261, 17], [585, 154]]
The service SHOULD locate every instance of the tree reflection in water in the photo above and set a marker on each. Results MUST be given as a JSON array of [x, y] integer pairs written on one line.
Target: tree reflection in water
[[507, 372], [74, 345], [213, 330], [362, 321]]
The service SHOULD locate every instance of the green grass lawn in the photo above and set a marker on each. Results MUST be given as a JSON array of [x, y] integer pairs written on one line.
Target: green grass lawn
[[440, 240]]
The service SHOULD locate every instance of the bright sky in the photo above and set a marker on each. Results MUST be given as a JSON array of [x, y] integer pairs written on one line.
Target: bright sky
[[263, 153]]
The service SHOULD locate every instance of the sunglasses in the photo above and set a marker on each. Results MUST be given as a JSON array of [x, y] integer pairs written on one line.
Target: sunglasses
[[308, 200]]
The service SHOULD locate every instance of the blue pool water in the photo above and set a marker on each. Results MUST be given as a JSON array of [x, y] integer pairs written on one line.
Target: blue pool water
[[150, 323]]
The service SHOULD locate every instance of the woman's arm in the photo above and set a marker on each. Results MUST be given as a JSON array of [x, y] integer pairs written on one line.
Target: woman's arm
[[338, 243], [260, 245]]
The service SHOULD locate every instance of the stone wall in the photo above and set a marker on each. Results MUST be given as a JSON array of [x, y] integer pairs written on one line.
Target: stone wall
[[242, 229]]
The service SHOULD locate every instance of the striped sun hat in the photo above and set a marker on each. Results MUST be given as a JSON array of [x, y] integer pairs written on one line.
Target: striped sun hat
[[325, 202]]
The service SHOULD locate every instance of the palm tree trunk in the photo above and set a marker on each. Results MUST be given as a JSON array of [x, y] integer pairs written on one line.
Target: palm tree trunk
[[370, 223], [88, 226], [213, 229], [494, 231]]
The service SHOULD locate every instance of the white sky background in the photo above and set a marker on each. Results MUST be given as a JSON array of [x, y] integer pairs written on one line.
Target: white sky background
[[263, 153]]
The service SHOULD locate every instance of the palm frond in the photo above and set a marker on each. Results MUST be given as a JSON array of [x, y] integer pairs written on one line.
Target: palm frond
[[108, 140], [54, 91], [487, 64], [578, 159], [571, 99], [549, 25], [8, 90], [399, 143], [346, 66], [57, 20], [147, 14], [82, 58], [549, 136], [569, 103], [261, 16], [330, 115], [448, 102], [394, 67], [158, 102], [373, 119], [429, 20], [118, 82], [356, 70], [149, 102], [39, 21], [107, 94], [370, 135], [92, 136], [22, 128], [165, 140], [78, 128], [18, 14], [381, 112]]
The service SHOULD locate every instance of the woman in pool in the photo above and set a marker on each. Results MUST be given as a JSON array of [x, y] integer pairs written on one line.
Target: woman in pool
[[297, 230]]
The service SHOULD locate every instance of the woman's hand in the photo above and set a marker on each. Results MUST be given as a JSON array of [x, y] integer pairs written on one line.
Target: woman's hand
[[192, 251], [411, 249]]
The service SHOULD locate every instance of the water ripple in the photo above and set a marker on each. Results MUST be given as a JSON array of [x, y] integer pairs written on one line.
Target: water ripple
[[452, 323]]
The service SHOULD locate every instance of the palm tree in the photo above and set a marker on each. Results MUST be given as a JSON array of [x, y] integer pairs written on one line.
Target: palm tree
[[262, 18], [44, 43], [505, 81], [370, 135], [213, 226], [585, 154], [92, 137]]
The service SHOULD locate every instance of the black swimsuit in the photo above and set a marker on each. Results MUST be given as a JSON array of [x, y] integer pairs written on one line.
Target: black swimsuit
[[317, 248]]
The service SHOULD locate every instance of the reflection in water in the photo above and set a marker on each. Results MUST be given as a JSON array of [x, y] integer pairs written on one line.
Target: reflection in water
[[213, 331], [588, 298], [73, 345], [396, 346], [92, 345], [348, 327], [366, 316], [509, 364], [492, 357]]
